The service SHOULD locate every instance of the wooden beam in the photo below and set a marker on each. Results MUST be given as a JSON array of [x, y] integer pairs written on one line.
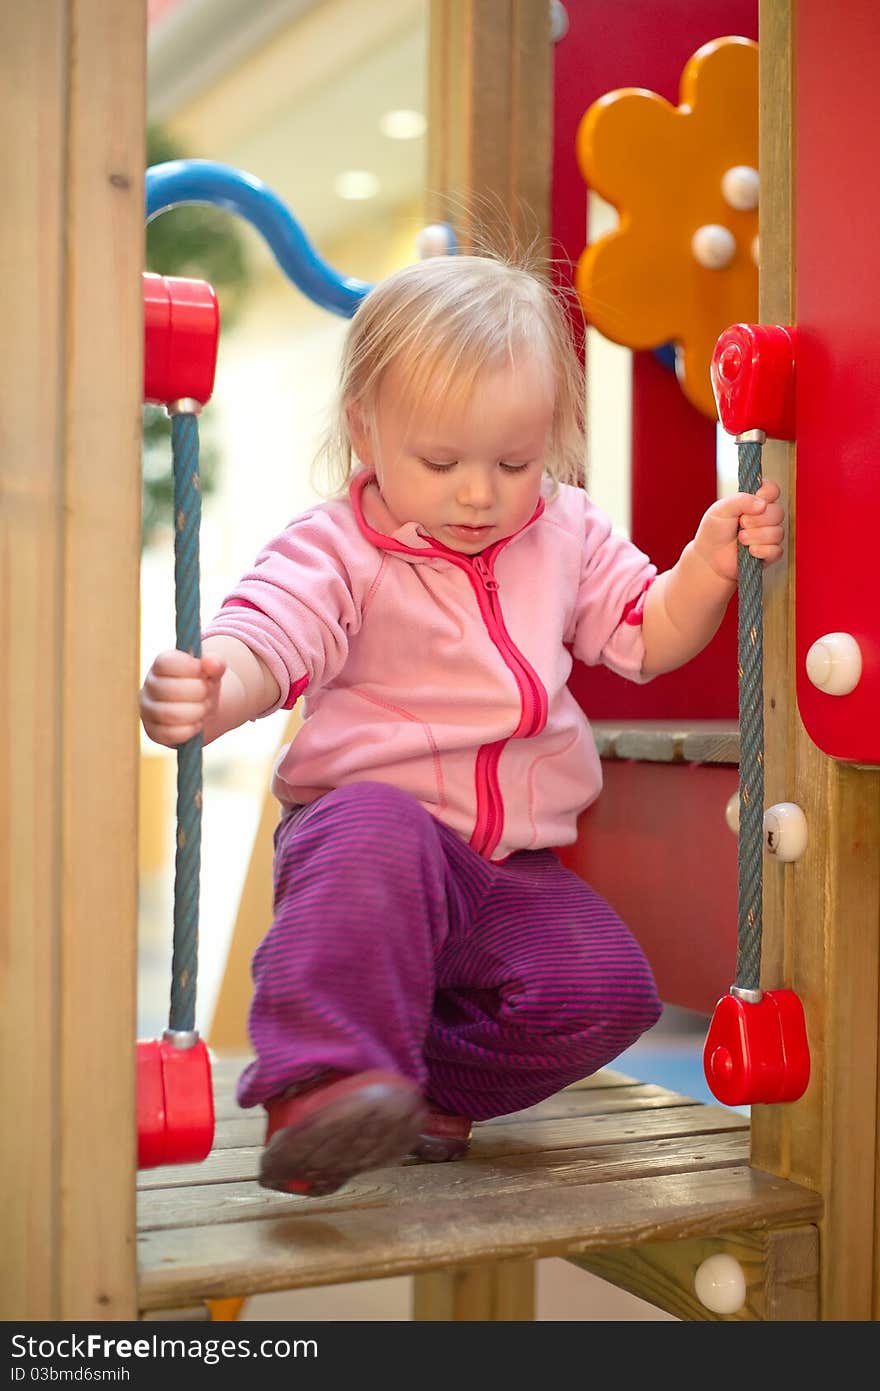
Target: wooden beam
[[70, 469], [489, 121], [781, 1270], [31, 252], [821, 914]]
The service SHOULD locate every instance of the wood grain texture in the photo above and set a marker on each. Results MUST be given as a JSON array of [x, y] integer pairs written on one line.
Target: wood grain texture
[[592, 1167], [781, 1269], [71, 472], [668, 741], [180, 1266], [489, 127], [31, 566], [101, 656], [476, 1294], [485, 1176], [821, 915]]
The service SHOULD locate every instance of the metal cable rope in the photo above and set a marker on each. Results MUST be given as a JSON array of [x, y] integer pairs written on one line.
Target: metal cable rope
[[187, 520], [750, 638]]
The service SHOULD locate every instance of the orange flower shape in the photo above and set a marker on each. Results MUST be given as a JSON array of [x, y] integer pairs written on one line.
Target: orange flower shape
[[681, 266]]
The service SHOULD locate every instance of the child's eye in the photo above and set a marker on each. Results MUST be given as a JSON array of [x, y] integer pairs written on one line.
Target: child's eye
[[439, 467], [513, 468]]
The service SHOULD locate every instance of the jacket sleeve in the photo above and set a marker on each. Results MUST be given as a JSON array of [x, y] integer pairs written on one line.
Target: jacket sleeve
[[615, 576], [297, 609]]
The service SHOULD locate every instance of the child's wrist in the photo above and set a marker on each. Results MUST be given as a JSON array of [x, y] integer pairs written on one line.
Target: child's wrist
[[726, 581]]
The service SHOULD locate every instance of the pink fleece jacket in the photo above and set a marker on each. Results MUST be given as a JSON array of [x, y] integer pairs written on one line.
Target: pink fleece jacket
[[443, 674]]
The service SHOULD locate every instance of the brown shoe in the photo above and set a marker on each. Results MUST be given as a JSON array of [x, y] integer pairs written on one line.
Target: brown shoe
[[319, 1135], [444, 1137]]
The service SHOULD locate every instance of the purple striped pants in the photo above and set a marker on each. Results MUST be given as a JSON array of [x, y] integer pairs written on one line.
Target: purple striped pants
[[395, 946]]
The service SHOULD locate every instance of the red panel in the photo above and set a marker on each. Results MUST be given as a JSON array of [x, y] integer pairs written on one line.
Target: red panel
[[838, 371], [672, 468], [643, 43], [646, 43], [657, 846]]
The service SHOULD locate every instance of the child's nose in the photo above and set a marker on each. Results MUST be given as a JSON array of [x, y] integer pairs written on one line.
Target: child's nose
[[476, 489]]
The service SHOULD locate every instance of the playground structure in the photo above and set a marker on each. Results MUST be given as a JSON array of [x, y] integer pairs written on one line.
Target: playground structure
[[802, 1215]]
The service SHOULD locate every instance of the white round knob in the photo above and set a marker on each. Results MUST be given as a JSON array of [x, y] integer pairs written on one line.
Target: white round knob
[[558, 21], [713, 246], [720, 1284], [785, 831], [434, 240], [834, 663], [739, 187], [731, 812]]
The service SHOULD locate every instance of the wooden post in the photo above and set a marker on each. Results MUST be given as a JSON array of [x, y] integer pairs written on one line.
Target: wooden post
[[72, 100], [489, 120], [499, 1293], [821, 914]]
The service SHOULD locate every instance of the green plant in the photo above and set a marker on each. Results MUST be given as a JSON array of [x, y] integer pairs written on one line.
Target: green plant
[[202, 242]]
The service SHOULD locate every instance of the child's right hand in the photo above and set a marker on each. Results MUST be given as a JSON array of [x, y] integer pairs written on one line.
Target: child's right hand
[[179, 694]]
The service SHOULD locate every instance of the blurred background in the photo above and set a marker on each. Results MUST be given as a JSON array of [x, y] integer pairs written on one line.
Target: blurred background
[[325, 101]]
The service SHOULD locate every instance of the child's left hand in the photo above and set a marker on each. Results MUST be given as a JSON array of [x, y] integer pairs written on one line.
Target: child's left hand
[[749, 519]]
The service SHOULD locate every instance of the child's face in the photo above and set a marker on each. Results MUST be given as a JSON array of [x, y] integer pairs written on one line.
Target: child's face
[[469, 470]]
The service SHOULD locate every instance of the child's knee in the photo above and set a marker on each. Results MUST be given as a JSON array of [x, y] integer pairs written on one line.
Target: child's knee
[[618, 999]]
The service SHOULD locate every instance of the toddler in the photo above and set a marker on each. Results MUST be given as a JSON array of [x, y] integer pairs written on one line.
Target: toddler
[[430, 962]]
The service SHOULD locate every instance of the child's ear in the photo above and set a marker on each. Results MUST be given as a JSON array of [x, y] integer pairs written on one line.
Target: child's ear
[[358, 433]]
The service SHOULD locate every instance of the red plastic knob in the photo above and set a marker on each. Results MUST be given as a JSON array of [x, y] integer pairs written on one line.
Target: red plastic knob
[[181, 329], [175, 1103], [757, 1052], [752, 372]]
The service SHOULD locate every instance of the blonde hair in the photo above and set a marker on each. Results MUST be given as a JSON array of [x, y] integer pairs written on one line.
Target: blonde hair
[[445, 320]]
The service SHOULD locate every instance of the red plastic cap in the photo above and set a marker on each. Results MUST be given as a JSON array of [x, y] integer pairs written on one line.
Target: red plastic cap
[[752, 371], [757, 1052], [175, 1103], [181, 329]]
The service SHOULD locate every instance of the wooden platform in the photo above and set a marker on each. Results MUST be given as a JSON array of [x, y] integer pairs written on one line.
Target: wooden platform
[[668, 741], [605, 1166]]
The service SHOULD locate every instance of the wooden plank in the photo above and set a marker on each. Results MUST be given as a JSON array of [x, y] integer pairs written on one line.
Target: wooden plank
[[821, 915], [777, 306], [781, 1271], [668, 741], [489, 141], [483, 1293], [73, 80], [183, 1266], [480, 1177], [31, 252], [97, 700], [563, 1126], [711, 746], [535, 1139]]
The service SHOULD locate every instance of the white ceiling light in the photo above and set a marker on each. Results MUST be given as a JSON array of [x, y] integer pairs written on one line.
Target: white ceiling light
[[402, 125], [356, 184]]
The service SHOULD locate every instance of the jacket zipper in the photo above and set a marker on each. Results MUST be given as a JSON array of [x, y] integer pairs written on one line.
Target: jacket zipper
[[490, 806], [489, 821]]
